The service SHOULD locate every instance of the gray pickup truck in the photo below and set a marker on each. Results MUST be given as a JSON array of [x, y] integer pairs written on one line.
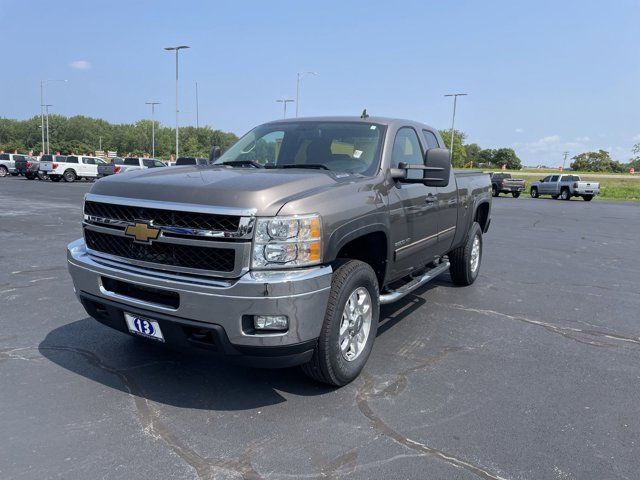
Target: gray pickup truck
[[565, 187], [128, 164], [282, 252]]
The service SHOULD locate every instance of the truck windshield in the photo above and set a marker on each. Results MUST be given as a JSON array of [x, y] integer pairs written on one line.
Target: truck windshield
[[352, 147]]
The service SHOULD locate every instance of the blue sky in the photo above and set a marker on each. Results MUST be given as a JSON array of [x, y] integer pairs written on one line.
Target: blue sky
[[543, 77]]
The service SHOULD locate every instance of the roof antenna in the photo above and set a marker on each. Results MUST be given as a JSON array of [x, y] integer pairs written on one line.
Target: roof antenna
[[364, 114]]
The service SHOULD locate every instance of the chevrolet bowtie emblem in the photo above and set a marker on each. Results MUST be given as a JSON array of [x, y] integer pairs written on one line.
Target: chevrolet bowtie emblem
[[142, 232]]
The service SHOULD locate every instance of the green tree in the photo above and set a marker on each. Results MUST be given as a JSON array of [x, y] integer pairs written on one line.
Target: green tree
[[506, 156], [599, 161], [459, 152], [473, 153]]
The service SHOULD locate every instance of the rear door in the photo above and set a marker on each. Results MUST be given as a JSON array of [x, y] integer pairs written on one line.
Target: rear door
[[89, 167], [413, 208]]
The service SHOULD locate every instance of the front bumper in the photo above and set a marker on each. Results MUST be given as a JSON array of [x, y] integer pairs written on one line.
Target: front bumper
[[218, 310]]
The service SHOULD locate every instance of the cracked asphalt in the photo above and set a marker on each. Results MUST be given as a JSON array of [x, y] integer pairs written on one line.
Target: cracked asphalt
[[531, 373]]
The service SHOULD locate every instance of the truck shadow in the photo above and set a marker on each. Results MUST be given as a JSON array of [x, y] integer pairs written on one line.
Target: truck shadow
[[192, 378]]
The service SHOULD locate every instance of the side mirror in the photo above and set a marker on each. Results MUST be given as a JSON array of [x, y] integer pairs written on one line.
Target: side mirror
[[214, 154], [434, 173]]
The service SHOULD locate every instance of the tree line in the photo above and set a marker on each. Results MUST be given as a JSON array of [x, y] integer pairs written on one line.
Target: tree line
[[81, 134], [472, 155]]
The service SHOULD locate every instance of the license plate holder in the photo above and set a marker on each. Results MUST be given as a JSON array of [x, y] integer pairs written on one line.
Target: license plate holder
[[144, 327]]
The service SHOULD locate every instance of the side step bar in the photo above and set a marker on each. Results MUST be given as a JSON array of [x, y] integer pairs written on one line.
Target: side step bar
[[409, 287]]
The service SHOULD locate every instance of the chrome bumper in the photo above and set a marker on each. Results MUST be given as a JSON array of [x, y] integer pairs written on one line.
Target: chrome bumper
[[302, 295]]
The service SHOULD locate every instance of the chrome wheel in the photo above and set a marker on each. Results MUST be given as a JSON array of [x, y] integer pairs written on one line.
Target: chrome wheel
[[356, 324], [475, 254]]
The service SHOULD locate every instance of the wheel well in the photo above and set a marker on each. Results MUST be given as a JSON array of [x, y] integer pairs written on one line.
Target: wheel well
[[482, 216], [370, 248]]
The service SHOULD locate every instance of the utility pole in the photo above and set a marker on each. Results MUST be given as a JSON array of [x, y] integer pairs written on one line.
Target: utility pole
[[42, 127], [566, 154], [300, 76], [177, 49], [46, 107], [453, 120], [197, 108], [153, 127], [284, 102]]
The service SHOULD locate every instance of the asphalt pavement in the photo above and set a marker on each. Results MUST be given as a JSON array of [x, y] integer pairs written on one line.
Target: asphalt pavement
[[531, 373]]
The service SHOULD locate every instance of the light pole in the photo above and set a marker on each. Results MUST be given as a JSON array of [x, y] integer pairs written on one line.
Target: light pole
[[46, 108], [177, 49], [284, 102], [197, 108], [42, 84], [300, 76], [153, 127], [453, 121]]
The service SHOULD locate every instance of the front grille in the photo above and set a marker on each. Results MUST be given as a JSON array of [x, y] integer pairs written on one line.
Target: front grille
[[175, 255], [160, 217]]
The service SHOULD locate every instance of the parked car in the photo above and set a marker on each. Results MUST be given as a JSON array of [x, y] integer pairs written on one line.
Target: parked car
[[504, 183], [181, 161], [8, 163], [29, 166], [128, 164], [48, 163], [74, 167], [282, 255], [565, 187]]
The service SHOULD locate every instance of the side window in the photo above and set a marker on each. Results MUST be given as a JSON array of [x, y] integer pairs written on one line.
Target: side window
[[406, 149], [158, 163], [430, 138], [88, 161], [18, 157], [72, 160], [4, 156], [546, 179], [554, 178], [147, 163]]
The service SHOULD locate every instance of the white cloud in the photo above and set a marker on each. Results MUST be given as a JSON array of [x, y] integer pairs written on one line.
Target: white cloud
[[80, 65], [519, 130], [582, 139], [636, 138]]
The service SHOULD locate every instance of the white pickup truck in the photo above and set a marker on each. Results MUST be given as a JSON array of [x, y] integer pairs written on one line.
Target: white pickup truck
[[128, 164], [70, 168]]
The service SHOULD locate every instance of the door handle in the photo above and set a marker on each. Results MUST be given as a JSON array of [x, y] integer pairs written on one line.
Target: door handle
[[430, 199]]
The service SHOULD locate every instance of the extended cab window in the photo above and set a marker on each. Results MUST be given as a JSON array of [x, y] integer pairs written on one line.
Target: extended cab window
[[555, 178], [406, 149], [4, 156], [88, 161], [71, 160], [147, 162], [430, 138]]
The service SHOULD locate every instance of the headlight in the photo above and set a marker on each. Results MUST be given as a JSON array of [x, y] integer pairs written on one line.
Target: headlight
[[287, 242]]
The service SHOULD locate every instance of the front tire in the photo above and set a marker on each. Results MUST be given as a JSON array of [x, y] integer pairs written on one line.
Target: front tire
[[3, 171], [69, 176], [350, 325], [534, 192], [494, 191], [515, 194], [565, 194], [465, 260]]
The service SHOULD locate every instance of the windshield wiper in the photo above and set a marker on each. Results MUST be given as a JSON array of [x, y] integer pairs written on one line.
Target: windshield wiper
[[242, 163], [317, 166]]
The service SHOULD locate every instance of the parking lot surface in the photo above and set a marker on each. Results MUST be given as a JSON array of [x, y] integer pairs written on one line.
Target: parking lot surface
[[531, 373]]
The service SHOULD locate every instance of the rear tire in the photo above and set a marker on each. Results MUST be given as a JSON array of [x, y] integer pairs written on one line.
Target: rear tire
[[465, 260], [42, 176], [494, 191], [587, 198], [3, 171], [515, 194], [69, 176], [565, 194], [330, 363], [534, 192], [55, 178]]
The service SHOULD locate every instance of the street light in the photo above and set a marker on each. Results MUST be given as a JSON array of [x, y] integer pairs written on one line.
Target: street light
[[153, 127], [177, 49], [453, 121], [284, 102], [300, 76], [46, 107], [42, 84]]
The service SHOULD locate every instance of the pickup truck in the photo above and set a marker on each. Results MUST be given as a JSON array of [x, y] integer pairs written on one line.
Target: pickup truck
[[72, 167], [282, 252], [29, 166], [8, 163], [182, 161], [565, 187], [504, 183], [128, 164]]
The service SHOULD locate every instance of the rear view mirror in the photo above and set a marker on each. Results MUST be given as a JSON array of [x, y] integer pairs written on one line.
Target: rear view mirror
[[434, 173]]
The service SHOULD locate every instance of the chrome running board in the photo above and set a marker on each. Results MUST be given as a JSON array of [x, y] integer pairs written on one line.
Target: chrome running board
[[407, 288]]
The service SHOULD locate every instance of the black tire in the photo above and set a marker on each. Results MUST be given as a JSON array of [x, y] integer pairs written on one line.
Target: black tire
[[494, 191], [29, 176], [565, 194], [587, 198], [328, 364], [3, 171], [555, 197], [515, 194], [460, 258], [69, 176], [55, 178], [42, 176], [534, 192]]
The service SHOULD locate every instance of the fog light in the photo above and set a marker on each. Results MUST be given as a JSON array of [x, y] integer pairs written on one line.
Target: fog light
[[270, 322]]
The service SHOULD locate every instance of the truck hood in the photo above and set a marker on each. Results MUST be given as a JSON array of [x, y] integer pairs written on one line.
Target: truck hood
[[266, 191]]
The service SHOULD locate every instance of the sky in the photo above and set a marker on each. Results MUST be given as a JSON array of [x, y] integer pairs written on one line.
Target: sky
[[542, 77]]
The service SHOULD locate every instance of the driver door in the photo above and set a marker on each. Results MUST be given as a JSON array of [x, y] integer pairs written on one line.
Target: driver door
[[413, 208]]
